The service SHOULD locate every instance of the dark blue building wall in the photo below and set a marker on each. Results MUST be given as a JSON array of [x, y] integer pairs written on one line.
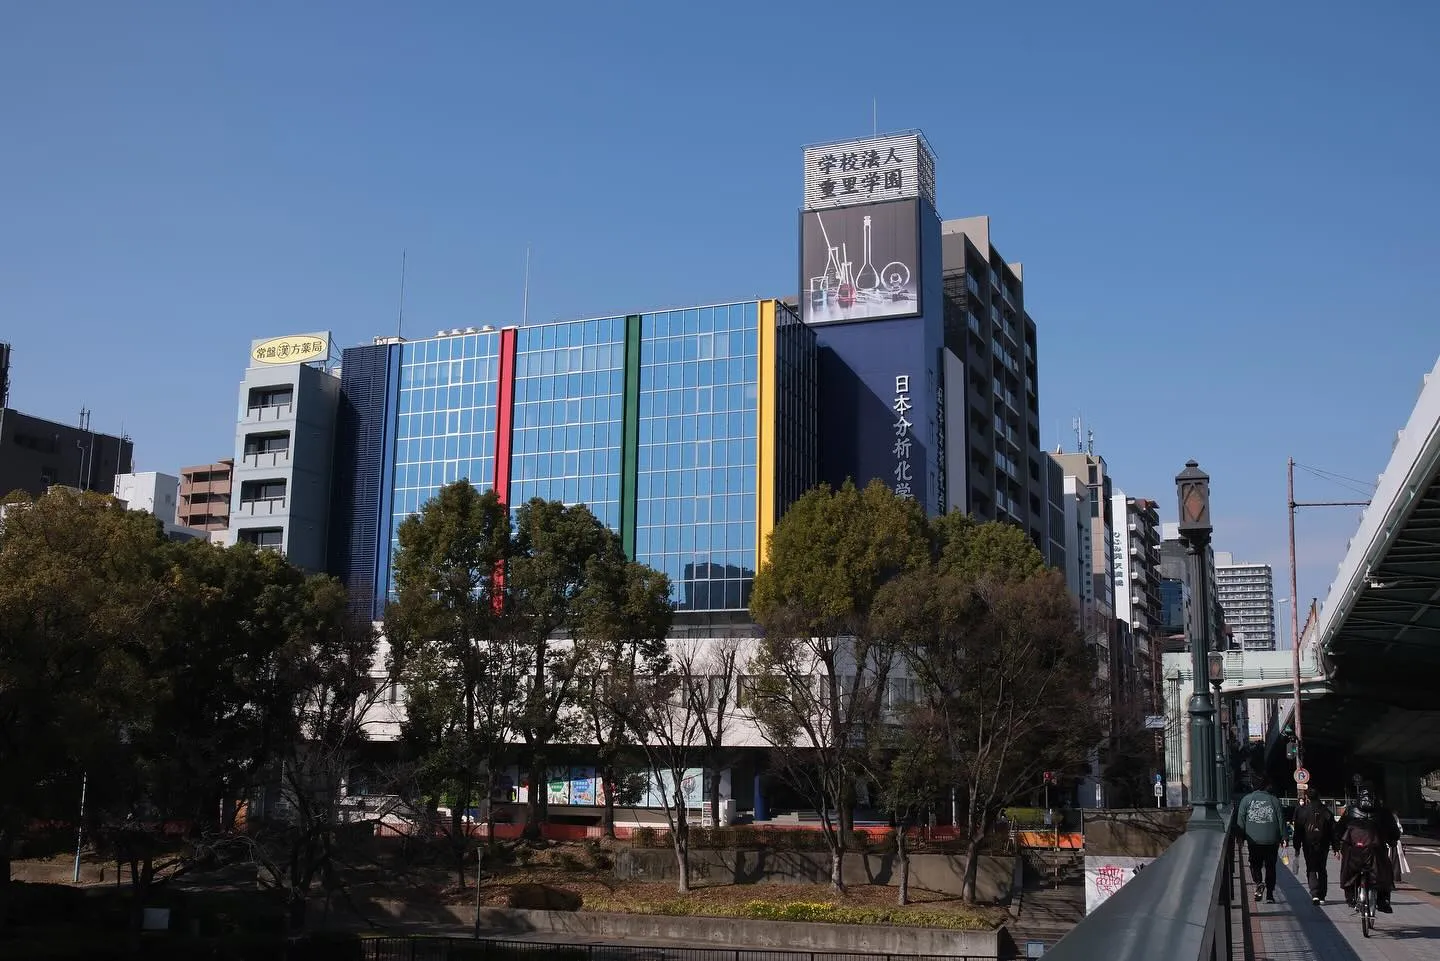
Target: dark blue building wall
[[858, 365], [362, 478]]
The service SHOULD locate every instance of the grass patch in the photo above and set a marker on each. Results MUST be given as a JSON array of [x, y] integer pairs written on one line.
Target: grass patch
[[813, 912]]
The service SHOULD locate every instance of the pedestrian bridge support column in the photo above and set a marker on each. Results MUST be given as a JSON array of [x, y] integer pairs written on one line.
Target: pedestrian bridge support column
[[1402, 789]]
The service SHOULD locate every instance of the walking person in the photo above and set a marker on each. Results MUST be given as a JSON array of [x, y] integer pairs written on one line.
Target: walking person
[[1262, 820], [1315, 836]]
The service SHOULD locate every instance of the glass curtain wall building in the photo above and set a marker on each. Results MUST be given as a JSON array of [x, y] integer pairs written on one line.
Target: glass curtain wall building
[[687, 431]]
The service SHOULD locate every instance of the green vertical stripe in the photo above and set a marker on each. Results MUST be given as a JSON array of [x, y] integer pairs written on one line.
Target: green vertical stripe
[[630, 438]]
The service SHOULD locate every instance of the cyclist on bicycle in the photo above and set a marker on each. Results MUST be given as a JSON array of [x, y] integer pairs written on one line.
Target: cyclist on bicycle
[[1365, 844]]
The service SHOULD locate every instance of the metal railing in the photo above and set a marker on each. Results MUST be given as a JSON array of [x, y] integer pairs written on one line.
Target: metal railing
[[1182, 906], [466, 949]]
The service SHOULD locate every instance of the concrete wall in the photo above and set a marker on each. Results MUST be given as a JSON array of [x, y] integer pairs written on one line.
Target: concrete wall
[[747, 934], [1139, 833], [943, 873]]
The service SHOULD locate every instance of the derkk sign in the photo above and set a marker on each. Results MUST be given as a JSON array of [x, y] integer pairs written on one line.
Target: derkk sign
[[868, 171], [291, 349]]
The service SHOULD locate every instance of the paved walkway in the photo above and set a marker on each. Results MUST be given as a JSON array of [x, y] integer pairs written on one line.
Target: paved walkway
[[1294, 929]]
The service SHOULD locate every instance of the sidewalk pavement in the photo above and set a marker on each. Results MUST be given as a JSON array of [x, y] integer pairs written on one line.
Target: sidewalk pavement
[[1294, 929]]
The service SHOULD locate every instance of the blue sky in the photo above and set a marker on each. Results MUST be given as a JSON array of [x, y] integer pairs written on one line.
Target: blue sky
[[1226, 213]]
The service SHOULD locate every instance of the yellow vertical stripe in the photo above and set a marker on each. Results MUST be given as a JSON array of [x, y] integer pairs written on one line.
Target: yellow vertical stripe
[[765, 433]]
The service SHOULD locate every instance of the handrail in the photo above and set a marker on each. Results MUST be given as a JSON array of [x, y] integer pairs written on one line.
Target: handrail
[[1177, 908]]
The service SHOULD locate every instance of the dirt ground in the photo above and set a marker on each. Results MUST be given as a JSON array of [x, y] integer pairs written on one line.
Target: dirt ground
[[424, 875]]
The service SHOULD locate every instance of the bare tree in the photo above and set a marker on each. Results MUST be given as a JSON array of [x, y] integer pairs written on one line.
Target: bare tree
[[817, 700], [711, 671], [668, 727]]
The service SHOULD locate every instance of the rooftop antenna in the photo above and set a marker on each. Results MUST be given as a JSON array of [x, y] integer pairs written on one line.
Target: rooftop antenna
[[875, 116], [1077, 426], [400, 318], [1090, 442], [525, 303]]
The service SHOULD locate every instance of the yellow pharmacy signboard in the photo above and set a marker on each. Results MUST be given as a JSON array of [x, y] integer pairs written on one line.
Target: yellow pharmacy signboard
[[292, 349]]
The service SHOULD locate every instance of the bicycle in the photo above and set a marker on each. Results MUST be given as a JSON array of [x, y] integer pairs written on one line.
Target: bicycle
[[1365, 904]]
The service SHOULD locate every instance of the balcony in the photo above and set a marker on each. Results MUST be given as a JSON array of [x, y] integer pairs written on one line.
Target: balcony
[[270, 413], [262, 507], [273, 458]]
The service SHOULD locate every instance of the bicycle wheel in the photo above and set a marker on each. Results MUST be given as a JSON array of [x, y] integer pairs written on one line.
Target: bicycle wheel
[[1367, 918]]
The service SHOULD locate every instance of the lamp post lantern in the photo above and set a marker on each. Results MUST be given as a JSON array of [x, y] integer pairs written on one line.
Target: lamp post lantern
[[1193, 487]]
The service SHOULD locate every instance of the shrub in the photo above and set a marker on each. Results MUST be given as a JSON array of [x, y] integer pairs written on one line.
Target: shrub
[[543, 897]]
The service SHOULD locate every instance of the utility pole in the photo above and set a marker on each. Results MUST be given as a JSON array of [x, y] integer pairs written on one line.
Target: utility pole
[[1295, 600]]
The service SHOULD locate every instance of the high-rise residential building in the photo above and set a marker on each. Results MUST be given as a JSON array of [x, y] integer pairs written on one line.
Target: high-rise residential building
[[1136, 550], [205, 491], [991, 342], [1247, 594], [687, 431], [284, 442]]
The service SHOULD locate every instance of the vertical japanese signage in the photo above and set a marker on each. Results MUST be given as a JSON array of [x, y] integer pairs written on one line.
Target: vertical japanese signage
[[942, 477], [896, 167], [860, 263], [904, 437]]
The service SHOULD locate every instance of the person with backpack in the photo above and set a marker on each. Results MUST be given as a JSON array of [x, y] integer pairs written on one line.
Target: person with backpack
[[1315, 836], [1261, 820]]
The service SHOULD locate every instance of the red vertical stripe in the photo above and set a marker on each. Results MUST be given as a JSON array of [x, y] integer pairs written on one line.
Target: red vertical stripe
[[504, 428], [505, 414]]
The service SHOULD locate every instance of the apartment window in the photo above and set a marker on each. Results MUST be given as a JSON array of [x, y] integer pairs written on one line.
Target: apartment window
[[276, 443], [282, 396], [265, 538], [266, 490]]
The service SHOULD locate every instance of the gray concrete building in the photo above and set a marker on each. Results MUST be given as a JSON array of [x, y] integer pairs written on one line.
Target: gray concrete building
[[987, 328], [284, 441], [37, 454]]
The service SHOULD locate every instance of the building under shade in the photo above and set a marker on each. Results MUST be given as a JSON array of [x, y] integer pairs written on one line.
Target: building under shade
[[688, 431]]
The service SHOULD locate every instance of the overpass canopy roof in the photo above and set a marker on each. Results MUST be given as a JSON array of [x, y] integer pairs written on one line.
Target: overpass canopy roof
[[1379, 630]]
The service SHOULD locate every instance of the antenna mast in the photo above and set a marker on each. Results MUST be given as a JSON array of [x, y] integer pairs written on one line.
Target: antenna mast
[[400, 318], [525, 303]]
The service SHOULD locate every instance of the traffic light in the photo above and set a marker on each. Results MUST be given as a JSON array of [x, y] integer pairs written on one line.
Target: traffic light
[[1289, 732], [1049, 777]]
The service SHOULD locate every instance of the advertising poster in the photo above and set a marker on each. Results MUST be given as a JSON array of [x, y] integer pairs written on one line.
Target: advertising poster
[[1104, 875], [582, 785], [557, 786], [860, 263]]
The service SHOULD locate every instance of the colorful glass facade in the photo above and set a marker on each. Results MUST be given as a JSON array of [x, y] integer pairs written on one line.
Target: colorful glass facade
[[687, 431]]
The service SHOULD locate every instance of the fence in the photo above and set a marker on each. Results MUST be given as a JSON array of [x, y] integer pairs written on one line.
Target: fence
[[1182, 907], [465, 949]]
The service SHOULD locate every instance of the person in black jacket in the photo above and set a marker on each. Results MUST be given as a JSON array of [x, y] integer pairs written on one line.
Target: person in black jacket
[[1314, 834], [1366, 841]]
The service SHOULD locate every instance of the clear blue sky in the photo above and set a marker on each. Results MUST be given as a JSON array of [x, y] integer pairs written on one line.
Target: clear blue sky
[[1227, 213]]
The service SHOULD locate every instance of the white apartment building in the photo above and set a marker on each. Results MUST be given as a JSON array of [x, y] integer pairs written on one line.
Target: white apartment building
[[1247, 595]]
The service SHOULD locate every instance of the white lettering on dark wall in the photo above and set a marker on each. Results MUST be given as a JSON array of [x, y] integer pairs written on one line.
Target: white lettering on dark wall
[[904, 437], [942, 495]]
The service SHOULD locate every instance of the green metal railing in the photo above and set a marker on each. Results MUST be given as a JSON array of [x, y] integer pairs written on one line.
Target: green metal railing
[[1181, 907]]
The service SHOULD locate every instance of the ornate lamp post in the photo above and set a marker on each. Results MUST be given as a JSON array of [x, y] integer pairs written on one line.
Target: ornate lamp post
[[1222, 728], [1193, 487]]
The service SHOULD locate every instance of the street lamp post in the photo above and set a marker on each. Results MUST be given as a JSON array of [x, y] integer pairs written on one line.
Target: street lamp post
[[1193, 487], [1216, 665]]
